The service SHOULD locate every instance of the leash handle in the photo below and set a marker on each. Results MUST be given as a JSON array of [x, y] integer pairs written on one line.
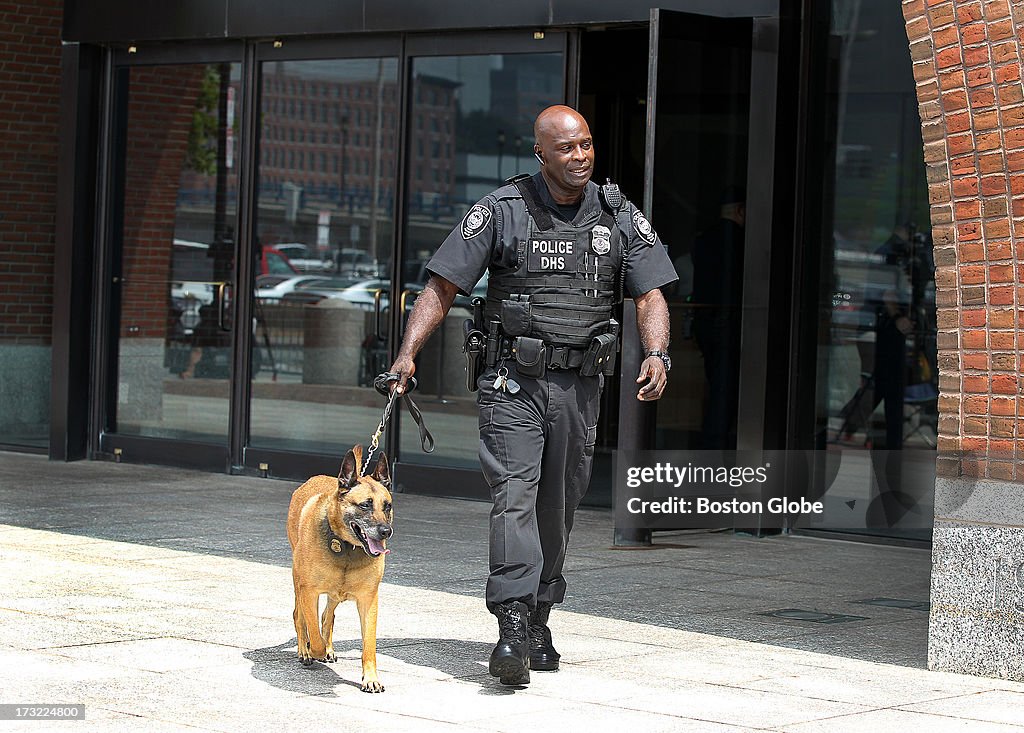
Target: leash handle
[[381, 384], [382, 380]]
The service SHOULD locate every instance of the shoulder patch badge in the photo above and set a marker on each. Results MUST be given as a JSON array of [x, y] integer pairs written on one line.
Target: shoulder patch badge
[[643, 228], [475, 221], [600, 239]]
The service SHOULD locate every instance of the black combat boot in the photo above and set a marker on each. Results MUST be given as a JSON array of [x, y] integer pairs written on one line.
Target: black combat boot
[[543, 656], [509, 660]]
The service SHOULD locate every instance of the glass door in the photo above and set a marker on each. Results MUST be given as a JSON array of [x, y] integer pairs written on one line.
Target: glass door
[[470, 126], [172, 248], [325, 207], [694, 190], [875, 402]]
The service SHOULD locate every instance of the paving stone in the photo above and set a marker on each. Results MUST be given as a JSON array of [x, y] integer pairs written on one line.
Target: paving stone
[[989, 706], [876, 720]]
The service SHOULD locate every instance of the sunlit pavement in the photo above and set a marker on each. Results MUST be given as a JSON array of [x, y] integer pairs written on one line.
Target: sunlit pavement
[[161, 599]]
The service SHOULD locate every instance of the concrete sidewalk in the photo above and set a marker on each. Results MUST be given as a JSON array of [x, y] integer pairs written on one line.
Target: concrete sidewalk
[[161, 600]]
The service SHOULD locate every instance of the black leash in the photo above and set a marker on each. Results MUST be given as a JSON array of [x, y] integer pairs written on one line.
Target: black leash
[[380, 383]]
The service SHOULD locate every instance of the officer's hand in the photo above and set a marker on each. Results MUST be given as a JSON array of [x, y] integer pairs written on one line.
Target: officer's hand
[[652, 371], [404, 368]]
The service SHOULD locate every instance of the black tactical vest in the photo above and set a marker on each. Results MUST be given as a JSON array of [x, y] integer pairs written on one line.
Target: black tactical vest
[[568, 272]]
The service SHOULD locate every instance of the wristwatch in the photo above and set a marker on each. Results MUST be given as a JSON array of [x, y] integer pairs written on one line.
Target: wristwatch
[[665, 358]]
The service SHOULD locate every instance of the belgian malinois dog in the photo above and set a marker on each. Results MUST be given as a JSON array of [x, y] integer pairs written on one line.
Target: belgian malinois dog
[[338, 529]]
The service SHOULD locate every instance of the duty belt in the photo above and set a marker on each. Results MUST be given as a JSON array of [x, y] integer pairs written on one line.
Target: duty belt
[[558, 357], [565, 357]]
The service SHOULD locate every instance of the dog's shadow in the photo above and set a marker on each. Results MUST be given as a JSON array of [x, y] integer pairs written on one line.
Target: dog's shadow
[[279, 665]]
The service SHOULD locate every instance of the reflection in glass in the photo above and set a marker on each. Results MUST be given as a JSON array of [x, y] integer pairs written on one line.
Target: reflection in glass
[[877, 371], [178, 194], [472, 118], [698, 208], [325, 231], [716, 299]]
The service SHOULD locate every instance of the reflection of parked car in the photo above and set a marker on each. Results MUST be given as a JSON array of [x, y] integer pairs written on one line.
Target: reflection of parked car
[[359, 292], [277, 286], [294, 250], [191, 273], [303, 258], [273, 262], [316, 288], [202, 347], [349, 261], [364, 292]]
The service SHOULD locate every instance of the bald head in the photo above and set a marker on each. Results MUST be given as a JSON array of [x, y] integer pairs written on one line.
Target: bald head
[[556, 118], [566, 151]]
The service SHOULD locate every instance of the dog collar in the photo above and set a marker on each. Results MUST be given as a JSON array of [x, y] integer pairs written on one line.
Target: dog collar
[[334, 543]]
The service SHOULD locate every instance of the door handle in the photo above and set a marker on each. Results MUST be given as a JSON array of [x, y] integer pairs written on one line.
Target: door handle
[[377, 331], [223, 301], [402, 301], [405, 295]]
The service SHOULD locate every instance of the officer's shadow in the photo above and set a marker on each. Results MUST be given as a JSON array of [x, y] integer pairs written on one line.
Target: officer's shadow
[[466, 660]]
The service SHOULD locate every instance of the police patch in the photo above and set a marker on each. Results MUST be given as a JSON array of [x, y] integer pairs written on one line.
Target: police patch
[[475, 221], [551, 255], [600, 239], [644, 228]]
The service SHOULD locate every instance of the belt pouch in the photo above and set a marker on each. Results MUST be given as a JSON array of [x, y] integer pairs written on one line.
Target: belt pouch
[[515, 316], [531, 356], [600, 351], [609, 363]]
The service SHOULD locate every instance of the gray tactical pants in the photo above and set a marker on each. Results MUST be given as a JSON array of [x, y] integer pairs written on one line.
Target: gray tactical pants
[[536, 452]]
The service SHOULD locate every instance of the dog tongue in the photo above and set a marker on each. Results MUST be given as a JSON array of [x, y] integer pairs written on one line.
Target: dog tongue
[[376, 547]]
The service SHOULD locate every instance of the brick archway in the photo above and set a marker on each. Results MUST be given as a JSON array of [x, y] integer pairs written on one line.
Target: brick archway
[[967, 61]]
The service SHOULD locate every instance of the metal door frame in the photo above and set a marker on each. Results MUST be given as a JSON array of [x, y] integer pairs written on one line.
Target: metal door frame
[[276, 462], [105, 314]]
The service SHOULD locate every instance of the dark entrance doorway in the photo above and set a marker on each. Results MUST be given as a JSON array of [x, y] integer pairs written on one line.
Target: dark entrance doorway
[[669, 106]]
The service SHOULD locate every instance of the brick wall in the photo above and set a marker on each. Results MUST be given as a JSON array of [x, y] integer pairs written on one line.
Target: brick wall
[[29, 105], [161, 103], [967, 57]]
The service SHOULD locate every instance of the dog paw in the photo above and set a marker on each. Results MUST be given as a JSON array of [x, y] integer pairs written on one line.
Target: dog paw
[[371, 686], [331, 657], [306, 661]]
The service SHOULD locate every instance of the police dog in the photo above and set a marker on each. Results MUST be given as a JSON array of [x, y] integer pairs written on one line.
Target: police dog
[[338, 529]]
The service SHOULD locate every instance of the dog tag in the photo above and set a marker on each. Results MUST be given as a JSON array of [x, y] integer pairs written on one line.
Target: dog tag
[[511, 386]]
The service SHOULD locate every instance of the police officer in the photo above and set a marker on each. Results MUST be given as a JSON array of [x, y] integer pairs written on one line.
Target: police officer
[[559, 248]]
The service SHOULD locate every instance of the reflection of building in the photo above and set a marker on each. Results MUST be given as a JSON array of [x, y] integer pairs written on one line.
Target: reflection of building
[[478, 174], [522, 85], [323, 134], [432, 160]]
